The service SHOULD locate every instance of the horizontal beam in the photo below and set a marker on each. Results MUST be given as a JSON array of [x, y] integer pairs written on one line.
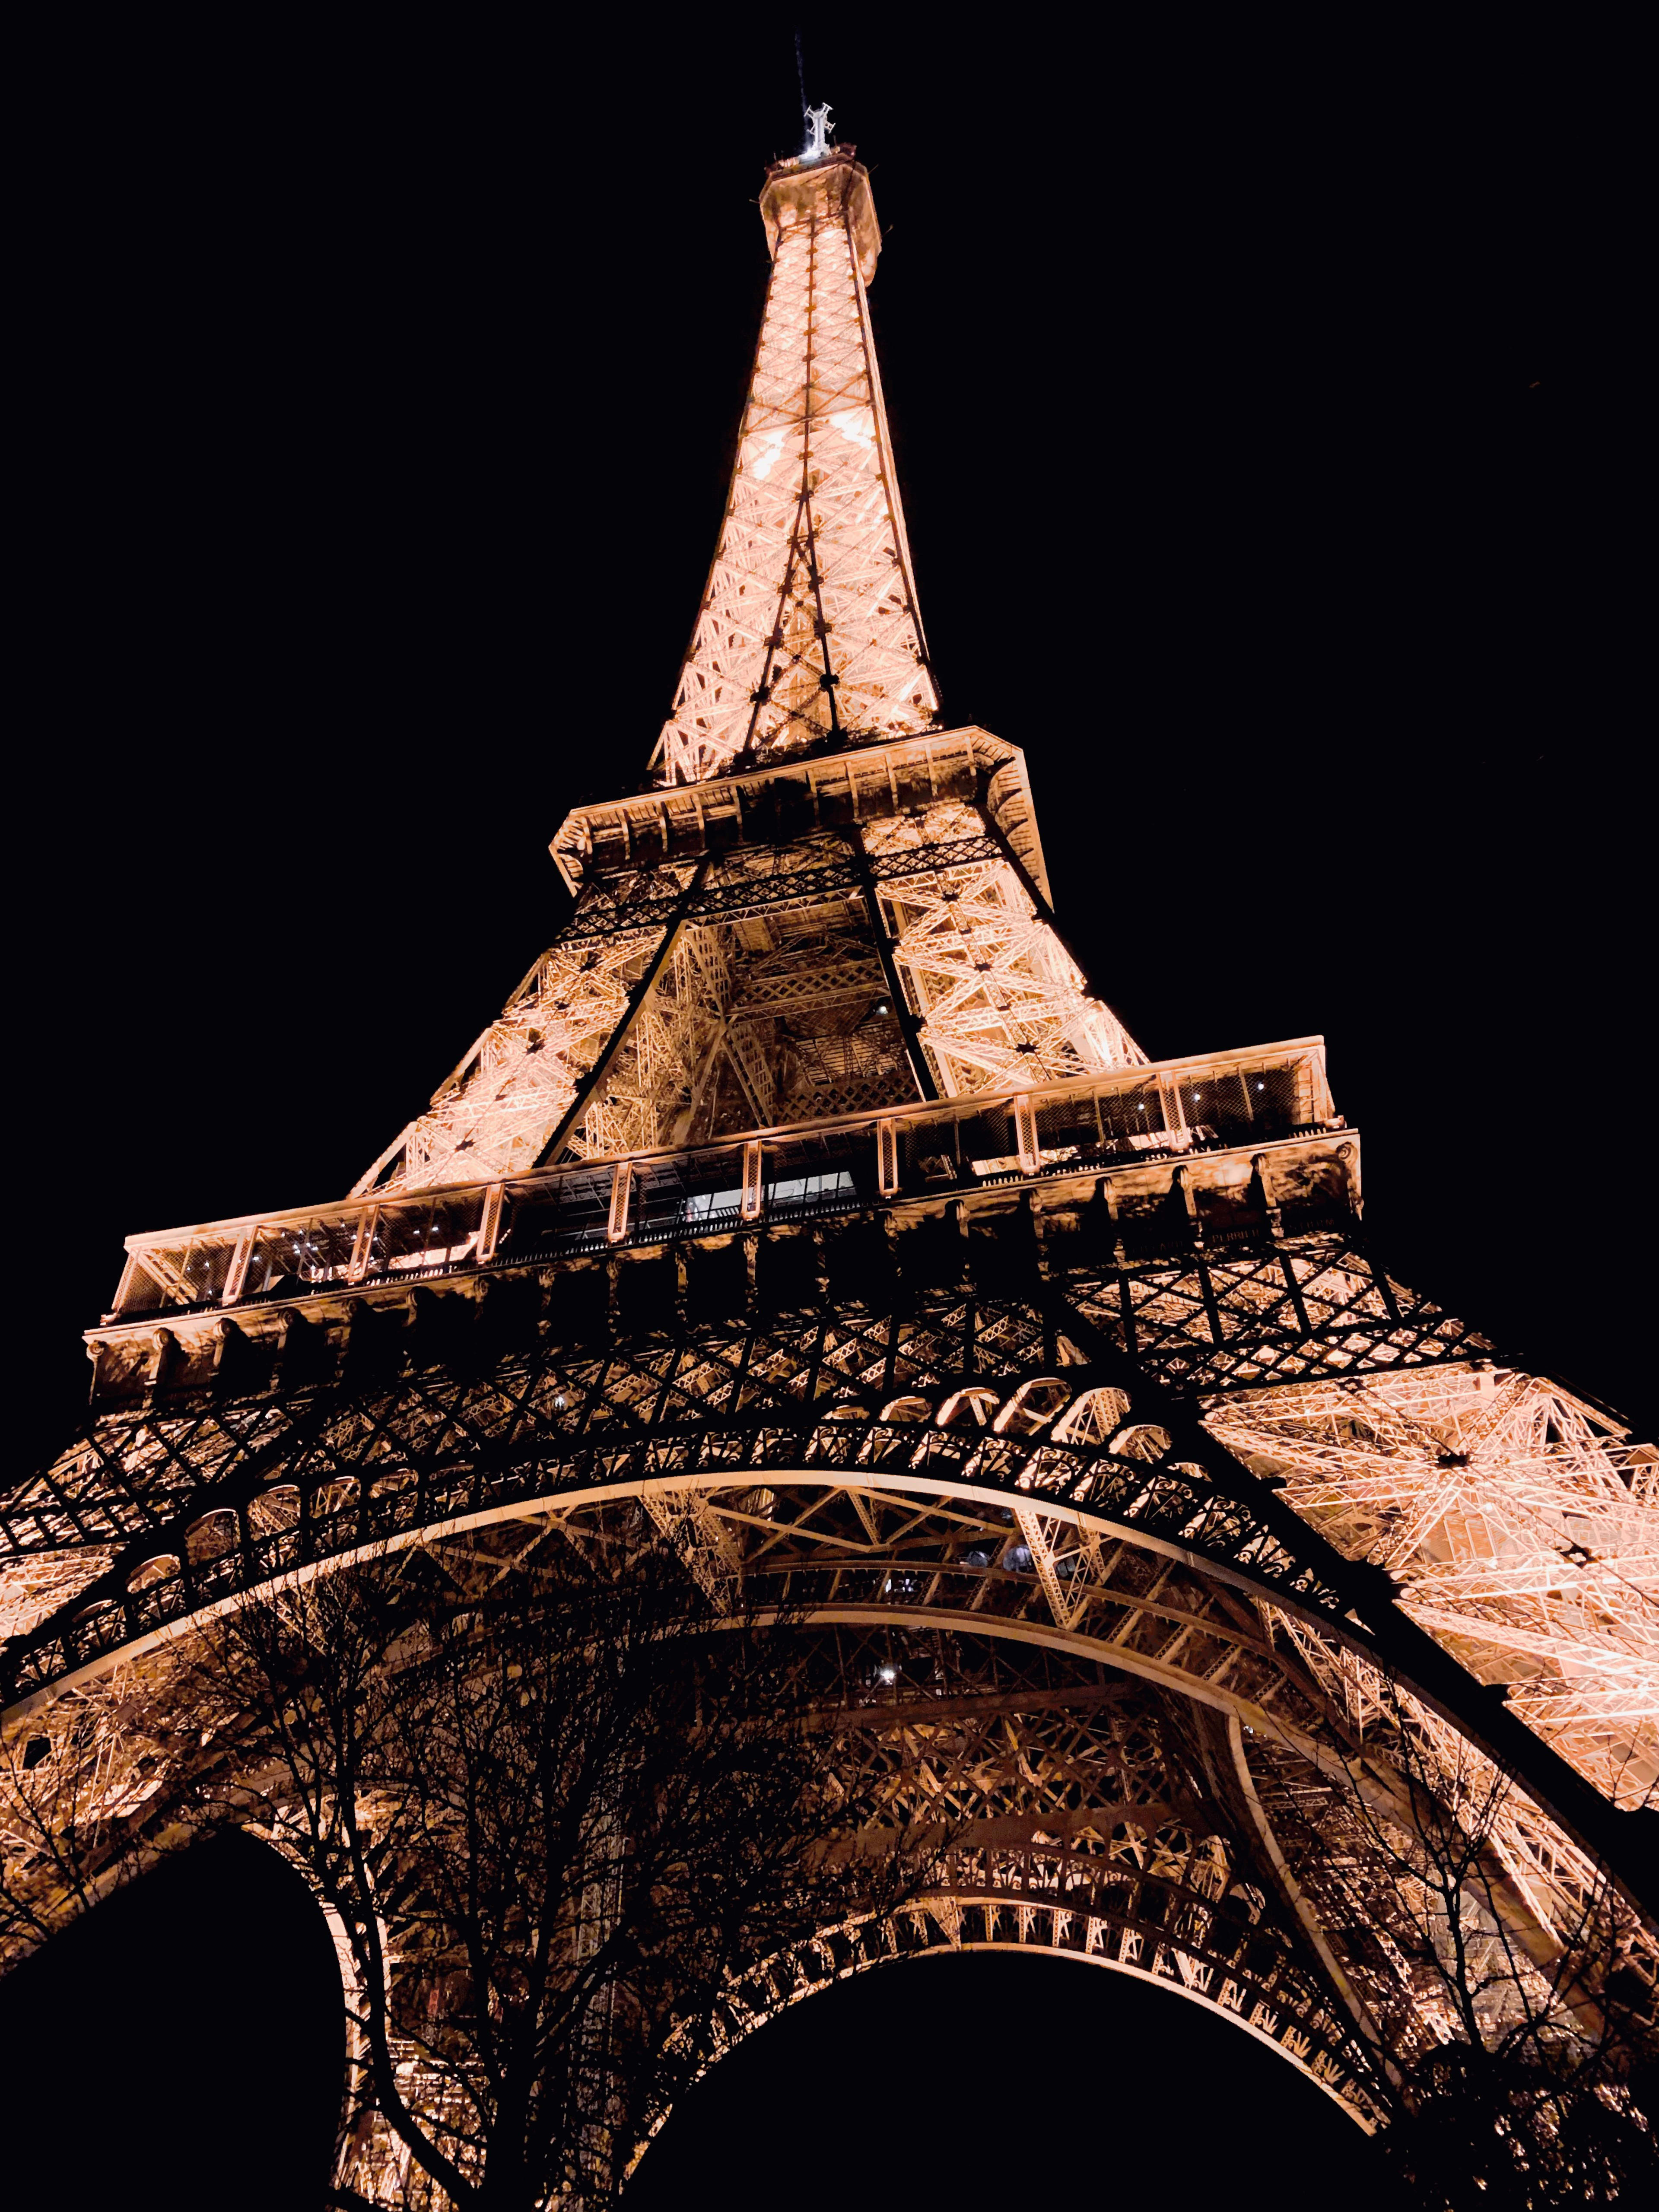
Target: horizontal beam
[[1319, 1167], [852, 783], [1116, 1080]]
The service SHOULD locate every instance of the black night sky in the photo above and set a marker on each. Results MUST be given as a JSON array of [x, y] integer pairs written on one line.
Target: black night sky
[[1258, 415]]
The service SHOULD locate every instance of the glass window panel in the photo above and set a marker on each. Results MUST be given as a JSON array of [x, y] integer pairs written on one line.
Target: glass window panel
[[711, 1195], [140, 1290], [988, 1141], [293, 1257], [1278, 1101], [928, 1151], [170, 1264], [1065, 1126], [568, 1211], [823, 1193], [206, 1268], [1229, 1105], [1131, 1114]]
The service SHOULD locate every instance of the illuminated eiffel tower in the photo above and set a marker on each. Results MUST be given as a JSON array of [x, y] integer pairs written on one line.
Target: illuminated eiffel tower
[[807, 1195]]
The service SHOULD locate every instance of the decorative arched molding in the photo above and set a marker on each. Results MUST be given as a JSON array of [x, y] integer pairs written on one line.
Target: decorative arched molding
[[952, 1924], [696, 1510], [556, 1500]]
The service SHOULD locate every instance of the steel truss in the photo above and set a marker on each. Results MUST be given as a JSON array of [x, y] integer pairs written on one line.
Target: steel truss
[[169, 1508], [660, 1017], [1519, 1524], [1139, 1517], [1091, 1819], [808, 628], [1041, 1471], [159, 1484]]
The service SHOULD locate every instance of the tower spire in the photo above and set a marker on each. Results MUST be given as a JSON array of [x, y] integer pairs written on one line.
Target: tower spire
[[808, 634]]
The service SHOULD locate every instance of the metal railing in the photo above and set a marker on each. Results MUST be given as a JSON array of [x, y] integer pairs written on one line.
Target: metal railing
[[1133, 1115]]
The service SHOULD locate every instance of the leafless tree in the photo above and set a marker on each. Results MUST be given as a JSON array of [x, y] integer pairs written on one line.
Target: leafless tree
[[1519, 1983], [555, 1811]]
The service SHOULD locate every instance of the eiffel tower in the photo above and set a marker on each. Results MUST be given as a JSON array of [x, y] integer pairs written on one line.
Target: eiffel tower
[[808, 1198]]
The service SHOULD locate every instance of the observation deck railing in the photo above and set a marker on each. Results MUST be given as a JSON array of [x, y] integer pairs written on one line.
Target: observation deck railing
[[1132, 1116]]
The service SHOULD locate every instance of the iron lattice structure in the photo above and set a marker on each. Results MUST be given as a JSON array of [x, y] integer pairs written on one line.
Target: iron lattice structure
[[807, 1201]]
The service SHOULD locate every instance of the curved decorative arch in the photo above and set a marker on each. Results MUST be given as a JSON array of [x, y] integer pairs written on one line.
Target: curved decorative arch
[[1173, 1518], [1050, 1931], [1115, 1533], [1128, 1562], [1177, 1508], [882, 1530]]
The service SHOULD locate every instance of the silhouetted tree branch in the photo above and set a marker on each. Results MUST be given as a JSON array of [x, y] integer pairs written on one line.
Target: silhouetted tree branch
[[553, 1810], [1524, 2046]]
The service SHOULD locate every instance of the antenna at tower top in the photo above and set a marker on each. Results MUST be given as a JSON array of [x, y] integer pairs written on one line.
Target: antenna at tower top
[[816, 119]]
